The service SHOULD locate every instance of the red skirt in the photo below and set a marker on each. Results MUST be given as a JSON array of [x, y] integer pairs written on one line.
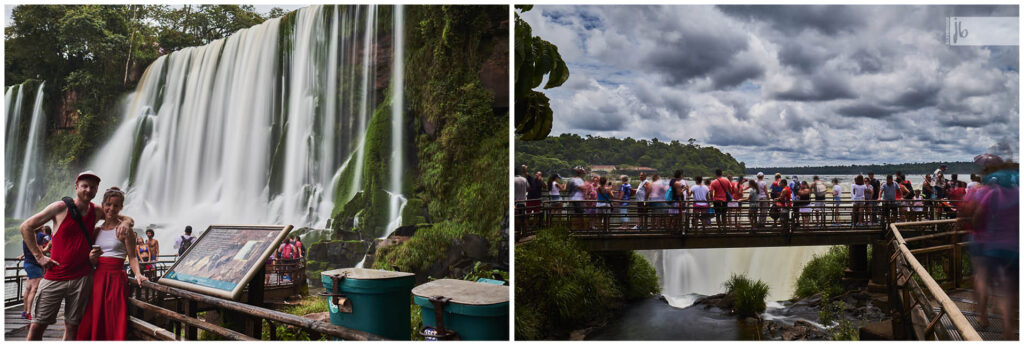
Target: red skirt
[[106, 314]]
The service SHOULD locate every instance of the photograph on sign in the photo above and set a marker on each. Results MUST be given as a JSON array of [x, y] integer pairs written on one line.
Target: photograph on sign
[[224, 259]]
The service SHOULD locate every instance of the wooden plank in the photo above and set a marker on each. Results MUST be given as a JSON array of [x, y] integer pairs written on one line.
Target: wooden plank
[[216, 329]]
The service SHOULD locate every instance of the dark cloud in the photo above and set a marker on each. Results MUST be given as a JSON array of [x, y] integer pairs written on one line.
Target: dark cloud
[[817, 88], [792, 19], [735, 74], [866, 110], [806, 58], [695, 55]]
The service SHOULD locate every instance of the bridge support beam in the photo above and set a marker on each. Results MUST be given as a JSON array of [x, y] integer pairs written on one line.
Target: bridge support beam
[[857, 268], [879, 266]]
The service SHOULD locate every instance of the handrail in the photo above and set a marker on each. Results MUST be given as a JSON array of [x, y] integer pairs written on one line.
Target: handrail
[[948, 306], [281, 317]]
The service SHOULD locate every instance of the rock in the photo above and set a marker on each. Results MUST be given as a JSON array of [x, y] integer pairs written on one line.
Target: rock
[[475, 246], [877, 331], [578, 335], [494, 71], [750, 321], [814, 300]]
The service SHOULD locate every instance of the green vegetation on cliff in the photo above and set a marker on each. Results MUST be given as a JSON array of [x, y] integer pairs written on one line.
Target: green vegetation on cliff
[[749, 295], [560, 287], [461, 138], [560, 154]]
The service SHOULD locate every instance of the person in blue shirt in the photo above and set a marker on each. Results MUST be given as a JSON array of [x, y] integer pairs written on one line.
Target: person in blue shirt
[[33, 271]]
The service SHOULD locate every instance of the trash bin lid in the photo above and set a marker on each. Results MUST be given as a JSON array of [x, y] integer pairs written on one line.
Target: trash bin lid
[[464, 292], [366, 274]]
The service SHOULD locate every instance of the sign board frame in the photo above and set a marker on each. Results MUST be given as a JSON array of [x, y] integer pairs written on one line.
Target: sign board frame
[[282, 232]]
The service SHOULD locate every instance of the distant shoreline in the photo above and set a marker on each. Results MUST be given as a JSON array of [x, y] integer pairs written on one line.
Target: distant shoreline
[[906, 168]]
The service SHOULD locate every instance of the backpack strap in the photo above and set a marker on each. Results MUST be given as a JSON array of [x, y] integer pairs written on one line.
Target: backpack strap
[[76, 214]]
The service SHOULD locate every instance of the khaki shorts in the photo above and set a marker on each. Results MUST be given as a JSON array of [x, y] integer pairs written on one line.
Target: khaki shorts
[[74, 293]]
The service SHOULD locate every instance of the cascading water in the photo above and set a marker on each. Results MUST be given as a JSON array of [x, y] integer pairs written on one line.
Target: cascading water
[[29, 179], [255, 128], [686, 273], [397, 115]]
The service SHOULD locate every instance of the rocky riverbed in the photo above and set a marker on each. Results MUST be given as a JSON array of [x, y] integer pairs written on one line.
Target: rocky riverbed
[[713, 318]]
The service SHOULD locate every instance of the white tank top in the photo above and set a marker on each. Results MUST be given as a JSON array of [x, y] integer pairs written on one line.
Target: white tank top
[[641, 192], [110, 245], [554, 188]]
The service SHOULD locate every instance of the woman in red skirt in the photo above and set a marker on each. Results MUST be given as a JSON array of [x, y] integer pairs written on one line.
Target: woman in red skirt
[[106, 313]]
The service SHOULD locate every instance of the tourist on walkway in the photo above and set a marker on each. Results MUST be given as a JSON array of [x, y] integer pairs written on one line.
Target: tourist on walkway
[[858, 193], [604, 201], [890, 192], [555, 187], [106, 313], [764, 198], [803, 204], [521, 185], [534, 192], [819, 190], [720, 193], [184, 241], [732, 207], [643, 191], [753, 199], [874, 189], [624, 192], [783, 203], [675, 196], [657, 201], [928, 195], [67, 277], [776, 192], [700, 192], [993, 215], [576, 189], [33, 272], [154, 245], [939, 182], [837, 197]]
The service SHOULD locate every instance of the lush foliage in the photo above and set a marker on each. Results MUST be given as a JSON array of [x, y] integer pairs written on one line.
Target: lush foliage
[[560, 154], [535, 58], [748, 294], [823, 274], [461, 140], [561, 287], [906, 168]]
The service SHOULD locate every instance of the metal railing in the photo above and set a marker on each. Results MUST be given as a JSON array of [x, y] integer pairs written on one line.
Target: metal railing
[[623, 217], [14, 281], [914, 294]]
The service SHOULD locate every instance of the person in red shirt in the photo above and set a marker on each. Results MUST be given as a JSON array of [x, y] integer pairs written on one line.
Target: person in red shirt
[[784, 201], [956, 195], [69, 264], [720, 186]]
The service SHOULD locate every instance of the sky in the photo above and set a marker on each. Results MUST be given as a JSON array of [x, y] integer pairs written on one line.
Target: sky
[[786, 85]]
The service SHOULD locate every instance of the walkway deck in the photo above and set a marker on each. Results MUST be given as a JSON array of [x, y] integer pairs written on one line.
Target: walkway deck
[[16, 328], [964, 299]]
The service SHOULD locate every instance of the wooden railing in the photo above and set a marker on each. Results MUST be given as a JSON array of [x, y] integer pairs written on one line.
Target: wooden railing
[[914, 293], [14, 278], [159, 312]]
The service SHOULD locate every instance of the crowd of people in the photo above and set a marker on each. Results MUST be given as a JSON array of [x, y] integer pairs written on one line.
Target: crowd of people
[[723, 200], [82, 264]]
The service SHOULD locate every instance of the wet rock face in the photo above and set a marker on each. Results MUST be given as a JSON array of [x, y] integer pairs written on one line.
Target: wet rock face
[[332, 254]]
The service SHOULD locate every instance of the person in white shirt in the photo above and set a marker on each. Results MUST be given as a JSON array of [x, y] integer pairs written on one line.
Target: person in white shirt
[[699, 191], [765, 200], [858, 191]]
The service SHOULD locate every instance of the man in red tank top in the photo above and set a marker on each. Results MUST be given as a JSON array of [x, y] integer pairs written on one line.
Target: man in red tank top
[[69, 266]]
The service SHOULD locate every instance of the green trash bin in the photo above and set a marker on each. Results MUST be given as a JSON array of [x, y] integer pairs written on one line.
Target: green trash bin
[[374, 301], [472, 310]]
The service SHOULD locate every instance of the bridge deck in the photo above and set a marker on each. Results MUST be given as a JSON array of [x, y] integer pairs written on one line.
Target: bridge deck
[[599, 241], [16, 328], [964, 299]]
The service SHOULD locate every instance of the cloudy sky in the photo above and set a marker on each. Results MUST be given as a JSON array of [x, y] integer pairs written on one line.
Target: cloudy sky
[[786, 85]]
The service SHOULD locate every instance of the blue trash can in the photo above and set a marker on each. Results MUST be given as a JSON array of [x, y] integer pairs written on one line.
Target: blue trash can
[[374, 301], [472, 310]]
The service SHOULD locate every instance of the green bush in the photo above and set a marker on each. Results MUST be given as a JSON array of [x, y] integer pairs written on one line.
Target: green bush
[[642, 279], [422, 250], [749, 295], [823, 274], [559, 287]]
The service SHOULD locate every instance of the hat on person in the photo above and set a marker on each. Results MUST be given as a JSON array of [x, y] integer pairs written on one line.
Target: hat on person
[[760, 174], [558, 176], [87, 174], [987, 160]]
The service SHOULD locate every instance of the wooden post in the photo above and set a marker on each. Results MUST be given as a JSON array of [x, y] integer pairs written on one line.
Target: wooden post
[[192, 333], [254, 325]]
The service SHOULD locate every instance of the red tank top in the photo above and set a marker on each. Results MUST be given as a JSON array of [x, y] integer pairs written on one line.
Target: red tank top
[[71, 248]]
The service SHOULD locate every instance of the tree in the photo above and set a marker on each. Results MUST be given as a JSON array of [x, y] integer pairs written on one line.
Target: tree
[[535, 58]]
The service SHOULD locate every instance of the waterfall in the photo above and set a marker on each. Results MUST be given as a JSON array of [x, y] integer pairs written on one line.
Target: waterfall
[[686, 272], [13, 133], [30, 179], [261, 127], [397, 120]]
